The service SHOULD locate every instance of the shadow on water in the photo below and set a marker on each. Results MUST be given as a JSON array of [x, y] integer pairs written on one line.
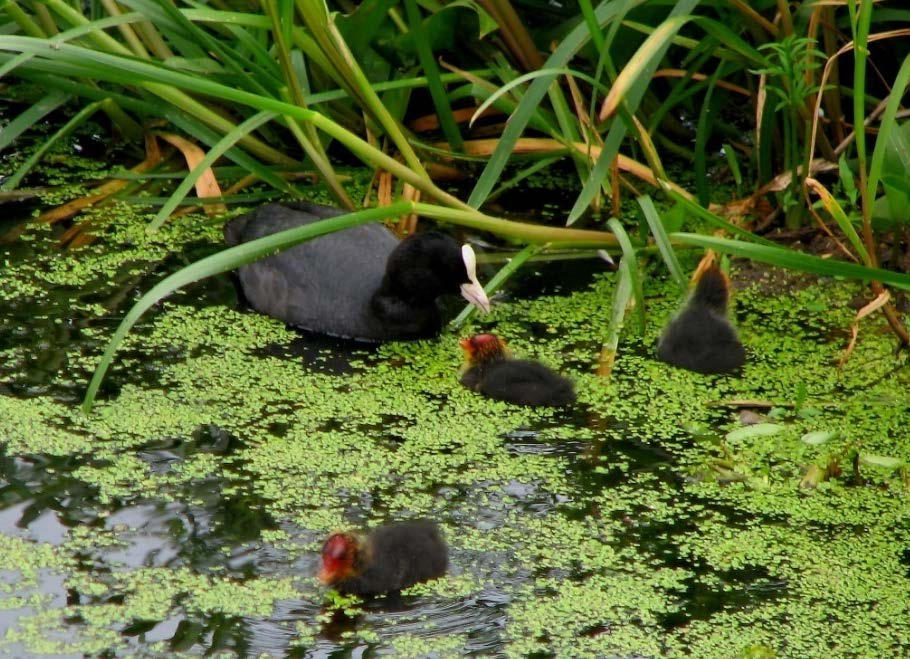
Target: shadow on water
[[324, 354]]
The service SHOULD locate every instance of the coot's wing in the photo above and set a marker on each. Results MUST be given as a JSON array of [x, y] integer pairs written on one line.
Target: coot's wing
[[323, 285]]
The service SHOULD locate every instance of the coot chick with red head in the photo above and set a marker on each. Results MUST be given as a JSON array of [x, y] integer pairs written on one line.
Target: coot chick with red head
[[390, 558], [360, 283], [700, 338], [491, 371]]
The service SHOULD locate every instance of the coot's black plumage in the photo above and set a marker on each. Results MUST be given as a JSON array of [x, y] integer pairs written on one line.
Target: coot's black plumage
[[390, 558], [360, 283], [492, 372], [700, 338]]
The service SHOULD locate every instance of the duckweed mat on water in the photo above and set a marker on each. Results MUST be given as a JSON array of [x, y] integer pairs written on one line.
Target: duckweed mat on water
[[186, 513]]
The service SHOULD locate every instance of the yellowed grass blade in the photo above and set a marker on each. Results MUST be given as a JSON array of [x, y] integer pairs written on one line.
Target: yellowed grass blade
[[207, 184]]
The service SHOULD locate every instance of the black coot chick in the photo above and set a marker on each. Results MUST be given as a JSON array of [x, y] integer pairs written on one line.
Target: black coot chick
[[361, 283], [700, 338], [390, 558], [491, 371]]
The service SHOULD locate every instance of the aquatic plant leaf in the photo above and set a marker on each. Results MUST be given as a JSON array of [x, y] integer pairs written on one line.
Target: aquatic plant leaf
[[883, 461], [203, 177], [817, 437], [813, 476], [755, 430]]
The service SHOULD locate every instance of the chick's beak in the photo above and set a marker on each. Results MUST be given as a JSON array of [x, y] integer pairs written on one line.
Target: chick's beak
[[473, 292], [323, 575]]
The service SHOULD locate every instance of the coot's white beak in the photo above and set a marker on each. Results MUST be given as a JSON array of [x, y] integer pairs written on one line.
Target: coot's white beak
[[473, 292]]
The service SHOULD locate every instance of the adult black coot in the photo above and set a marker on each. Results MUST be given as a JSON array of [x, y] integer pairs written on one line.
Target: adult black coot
[[492, 372], [700, 338], [390, 558], [361, 283]]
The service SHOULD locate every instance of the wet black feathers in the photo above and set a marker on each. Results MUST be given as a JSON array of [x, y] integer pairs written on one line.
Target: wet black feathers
[[520, 381], [701, 338], [397, 556]]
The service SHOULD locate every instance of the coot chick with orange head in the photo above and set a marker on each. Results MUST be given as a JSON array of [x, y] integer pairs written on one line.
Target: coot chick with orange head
[[360, 283], [390, 558], [491, 371], [700, 338]]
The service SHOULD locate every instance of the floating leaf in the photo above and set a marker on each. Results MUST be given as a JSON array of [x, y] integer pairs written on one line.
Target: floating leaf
[[756, 430], [818, 437], [880, 461]]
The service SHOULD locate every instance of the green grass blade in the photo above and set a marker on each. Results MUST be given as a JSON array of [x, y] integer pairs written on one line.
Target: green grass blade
[[631, 259], [732, 42], [599, 173], [711, 218], [622, 294], [74, 33], [214, 153], [431, 69], [887, 127], [13, 181], [733, 164], [30, 117], [663, 241], [628, 90], [570, 45], [523, 174], [703, 133], [531, 233], [793, 260], [247, 198], [83, 62], [223, 261], [587, 11], [549, 74], [837, 212], [255, 70], [323, 29], [632, 81]]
